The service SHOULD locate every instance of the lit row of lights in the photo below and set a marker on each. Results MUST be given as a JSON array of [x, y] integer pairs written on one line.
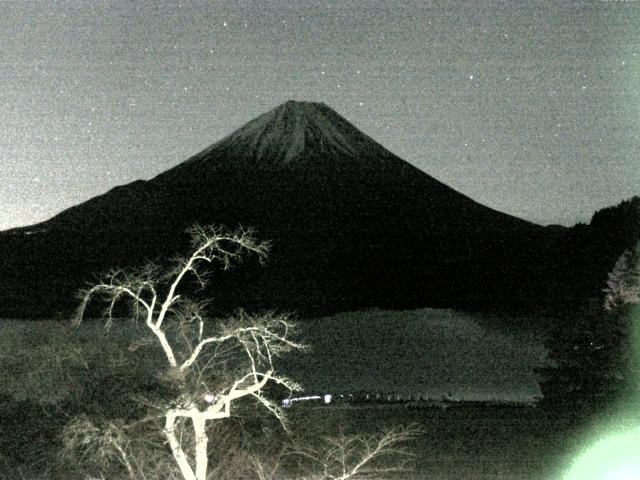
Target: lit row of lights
[[326, 399]]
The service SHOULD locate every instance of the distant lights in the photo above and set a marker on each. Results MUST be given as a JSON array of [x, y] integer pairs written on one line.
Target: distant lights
[[326, 399]]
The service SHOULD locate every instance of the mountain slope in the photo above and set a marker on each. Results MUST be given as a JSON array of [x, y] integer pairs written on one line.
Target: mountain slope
[[353, 226]]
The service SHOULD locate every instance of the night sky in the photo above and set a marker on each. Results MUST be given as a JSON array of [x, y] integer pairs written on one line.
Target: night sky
[[529, 107]]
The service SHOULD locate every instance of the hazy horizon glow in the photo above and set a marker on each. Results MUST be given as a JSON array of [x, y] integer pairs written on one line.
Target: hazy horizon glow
[[531, 108]]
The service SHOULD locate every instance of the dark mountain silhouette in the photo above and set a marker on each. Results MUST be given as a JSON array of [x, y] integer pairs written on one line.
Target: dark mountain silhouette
[[352, 226]]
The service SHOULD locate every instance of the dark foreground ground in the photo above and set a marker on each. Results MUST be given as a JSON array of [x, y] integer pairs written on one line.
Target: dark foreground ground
[[463, 442], [460, 442]]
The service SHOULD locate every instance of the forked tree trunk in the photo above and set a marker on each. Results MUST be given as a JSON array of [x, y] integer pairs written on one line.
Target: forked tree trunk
[[201, 445]]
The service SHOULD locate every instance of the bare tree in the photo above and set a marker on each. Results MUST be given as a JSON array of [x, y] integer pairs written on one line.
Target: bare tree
[[344, 457], [213, 365], [362, 456]]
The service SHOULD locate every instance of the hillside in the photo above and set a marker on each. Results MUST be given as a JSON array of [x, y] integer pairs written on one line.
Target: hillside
[[352, 226]]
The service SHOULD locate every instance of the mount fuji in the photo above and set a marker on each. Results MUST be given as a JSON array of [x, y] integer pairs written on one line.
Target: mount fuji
[[352, 226]]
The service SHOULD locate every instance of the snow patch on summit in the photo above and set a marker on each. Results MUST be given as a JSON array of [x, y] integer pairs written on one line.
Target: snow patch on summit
[[292, 131], [289, 130]]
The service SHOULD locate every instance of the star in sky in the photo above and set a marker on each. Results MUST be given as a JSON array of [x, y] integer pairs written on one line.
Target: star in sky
[[133, 89]]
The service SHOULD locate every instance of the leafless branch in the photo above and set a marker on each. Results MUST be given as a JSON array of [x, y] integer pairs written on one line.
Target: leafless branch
[[358, 456], [199, 358]]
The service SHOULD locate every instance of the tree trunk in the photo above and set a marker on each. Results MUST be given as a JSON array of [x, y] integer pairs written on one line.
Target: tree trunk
[[176, 448], [202, 460]]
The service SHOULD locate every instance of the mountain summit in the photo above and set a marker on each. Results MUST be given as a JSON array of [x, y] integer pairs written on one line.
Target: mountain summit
[[305, 150], [296, 139], [352, 226], [293, 132]]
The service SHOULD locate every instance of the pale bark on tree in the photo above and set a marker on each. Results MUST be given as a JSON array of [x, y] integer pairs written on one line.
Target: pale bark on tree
[[259, 338]]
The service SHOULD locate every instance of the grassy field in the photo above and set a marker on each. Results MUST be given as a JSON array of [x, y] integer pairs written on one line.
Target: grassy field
[[471, 443], [421, 352], [466, 442], [462, 442]]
